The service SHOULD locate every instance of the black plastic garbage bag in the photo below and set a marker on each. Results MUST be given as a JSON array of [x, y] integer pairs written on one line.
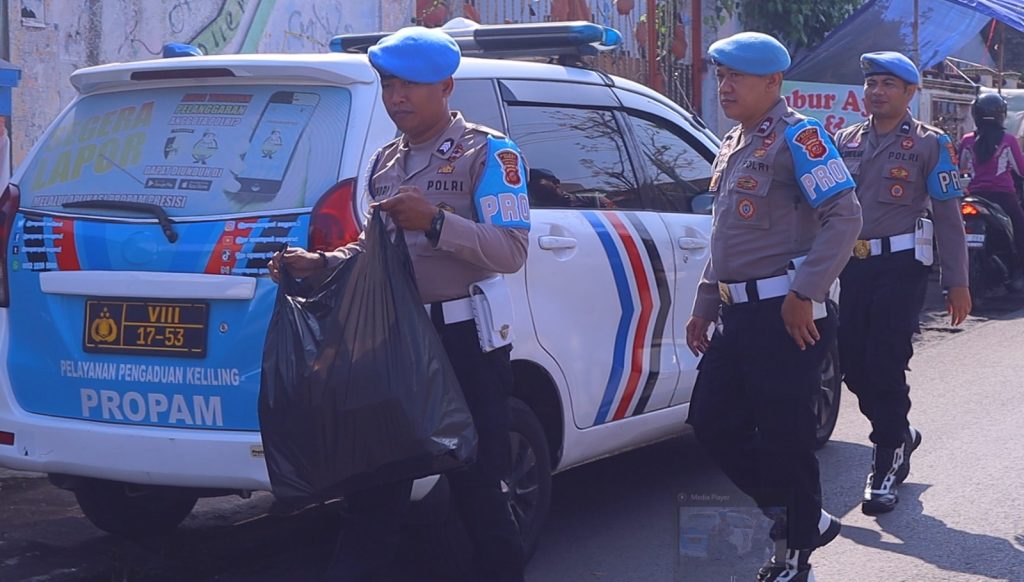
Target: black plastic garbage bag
[[357, 389]]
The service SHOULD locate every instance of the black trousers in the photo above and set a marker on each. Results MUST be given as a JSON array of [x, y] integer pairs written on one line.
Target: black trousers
[[879, 309], [370, 536], [753, 411]]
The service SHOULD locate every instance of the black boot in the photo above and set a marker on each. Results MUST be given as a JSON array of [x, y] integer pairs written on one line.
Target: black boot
[[889, 468], [787, 562], [787, 566], [911, 441]]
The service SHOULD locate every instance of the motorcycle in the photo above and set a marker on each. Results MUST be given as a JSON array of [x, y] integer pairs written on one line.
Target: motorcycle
[[990, 248]]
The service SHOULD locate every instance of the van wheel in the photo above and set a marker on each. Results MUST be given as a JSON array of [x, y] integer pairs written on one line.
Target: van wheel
[[529, 482], [826, 402], [130, 511], [446, 546]]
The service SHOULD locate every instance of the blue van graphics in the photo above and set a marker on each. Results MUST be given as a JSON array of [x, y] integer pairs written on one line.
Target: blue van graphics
[[236, 170], [153, 361], [194, 151]]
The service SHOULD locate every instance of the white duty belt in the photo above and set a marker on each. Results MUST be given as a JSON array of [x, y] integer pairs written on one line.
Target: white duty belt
[[746, 291], [454, 311], [883, 246]]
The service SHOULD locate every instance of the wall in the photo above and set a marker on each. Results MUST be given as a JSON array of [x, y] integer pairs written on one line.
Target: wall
[[50, 39]]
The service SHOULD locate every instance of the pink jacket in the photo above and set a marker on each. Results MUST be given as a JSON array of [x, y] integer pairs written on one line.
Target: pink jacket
[[993, 175]]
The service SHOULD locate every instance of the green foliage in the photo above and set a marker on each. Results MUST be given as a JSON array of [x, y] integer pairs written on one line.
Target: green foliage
[[797, 23]]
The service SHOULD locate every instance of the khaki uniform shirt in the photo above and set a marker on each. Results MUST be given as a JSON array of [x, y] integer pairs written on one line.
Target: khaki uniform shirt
[[763, 214], [477, 175], [899, 175]]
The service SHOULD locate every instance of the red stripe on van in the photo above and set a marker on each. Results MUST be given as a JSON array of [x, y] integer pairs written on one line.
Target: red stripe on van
[[67, 258]]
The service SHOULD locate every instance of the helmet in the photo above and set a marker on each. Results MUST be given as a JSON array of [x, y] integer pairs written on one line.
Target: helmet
[[989, 107]]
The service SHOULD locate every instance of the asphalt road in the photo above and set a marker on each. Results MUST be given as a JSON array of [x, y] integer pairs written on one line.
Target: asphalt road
[[617, 520]]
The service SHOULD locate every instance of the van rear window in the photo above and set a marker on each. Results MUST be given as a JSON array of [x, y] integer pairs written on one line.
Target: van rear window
[[195, 151]]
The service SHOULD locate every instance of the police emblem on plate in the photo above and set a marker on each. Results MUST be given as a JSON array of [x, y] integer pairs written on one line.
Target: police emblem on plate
[[899, 173], [746, 208], [765, 125], [896, 191], [103, 329], [747, 183], [446, 169], [907, 143], [510, 164]]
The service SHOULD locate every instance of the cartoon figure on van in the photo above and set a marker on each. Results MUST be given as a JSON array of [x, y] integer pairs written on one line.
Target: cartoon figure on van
[[205, 147]]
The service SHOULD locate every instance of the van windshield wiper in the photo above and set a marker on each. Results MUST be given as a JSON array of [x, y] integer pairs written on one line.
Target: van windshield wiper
[[152, 209]]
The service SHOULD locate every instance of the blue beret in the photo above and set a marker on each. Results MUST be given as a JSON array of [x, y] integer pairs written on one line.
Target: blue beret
[[417, 54], [890, 63], [750, 52]]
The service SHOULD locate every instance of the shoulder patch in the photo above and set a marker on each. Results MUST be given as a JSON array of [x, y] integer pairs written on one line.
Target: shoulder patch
[[944, 179], [501, 198], [819, 169]]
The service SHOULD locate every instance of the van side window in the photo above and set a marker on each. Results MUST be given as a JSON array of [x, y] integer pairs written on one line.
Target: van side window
[[477, 101], [677, 171], [577, 157]]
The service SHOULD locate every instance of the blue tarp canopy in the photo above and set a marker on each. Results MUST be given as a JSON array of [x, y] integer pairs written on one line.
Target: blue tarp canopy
[[944, 27], [1009, 12]]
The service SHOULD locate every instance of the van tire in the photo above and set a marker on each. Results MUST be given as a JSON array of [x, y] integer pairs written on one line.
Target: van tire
[[827, 399], [445, 547], [124, 510]]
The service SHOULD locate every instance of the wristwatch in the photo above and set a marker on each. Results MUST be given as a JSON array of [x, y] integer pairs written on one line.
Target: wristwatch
[[433, 233]]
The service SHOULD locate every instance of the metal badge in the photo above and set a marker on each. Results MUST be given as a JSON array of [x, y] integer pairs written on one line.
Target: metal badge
[[724, 293], [862, 249]]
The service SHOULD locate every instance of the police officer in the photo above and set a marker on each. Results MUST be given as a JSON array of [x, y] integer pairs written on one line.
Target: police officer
[[458, 191], [785, 221], [902, 167]]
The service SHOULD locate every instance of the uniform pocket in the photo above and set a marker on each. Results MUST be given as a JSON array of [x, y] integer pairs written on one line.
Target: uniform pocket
[[749, 193], [897, 183]]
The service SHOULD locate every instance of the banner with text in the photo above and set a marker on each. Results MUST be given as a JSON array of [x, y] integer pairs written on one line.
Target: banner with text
[[835, 106]]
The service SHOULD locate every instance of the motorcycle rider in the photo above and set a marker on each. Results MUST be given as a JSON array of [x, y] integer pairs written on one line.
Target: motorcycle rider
[[991, 157]]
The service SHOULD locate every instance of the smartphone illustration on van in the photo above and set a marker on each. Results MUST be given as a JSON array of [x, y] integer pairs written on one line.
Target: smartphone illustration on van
[[273, 143]]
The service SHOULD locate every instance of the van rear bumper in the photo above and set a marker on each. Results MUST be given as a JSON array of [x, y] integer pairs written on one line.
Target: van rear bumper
[[173, 457], [143, 455]]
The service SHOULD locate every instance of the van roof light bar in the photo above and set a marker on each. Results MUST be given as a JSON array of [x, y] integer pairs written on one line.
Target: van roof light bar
[[541, 39]]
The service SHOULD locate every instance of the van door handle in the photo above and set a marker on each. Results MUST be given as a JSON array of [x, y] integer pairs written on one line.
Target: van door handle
[[691, 244], [551, 243]]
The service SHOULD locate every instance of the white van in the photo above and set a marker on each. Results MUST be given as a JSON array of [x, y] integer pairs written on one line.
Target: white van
[[134, 295]]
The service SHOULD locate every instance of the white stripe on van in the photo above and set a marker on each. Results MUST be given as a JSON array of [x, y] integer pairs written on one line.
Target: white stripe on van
[[147, 284]]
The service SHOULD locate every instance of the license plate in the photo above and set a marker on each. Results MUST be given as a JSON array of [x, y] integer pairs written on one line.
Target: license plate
[[975, 241], [146, 328]]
